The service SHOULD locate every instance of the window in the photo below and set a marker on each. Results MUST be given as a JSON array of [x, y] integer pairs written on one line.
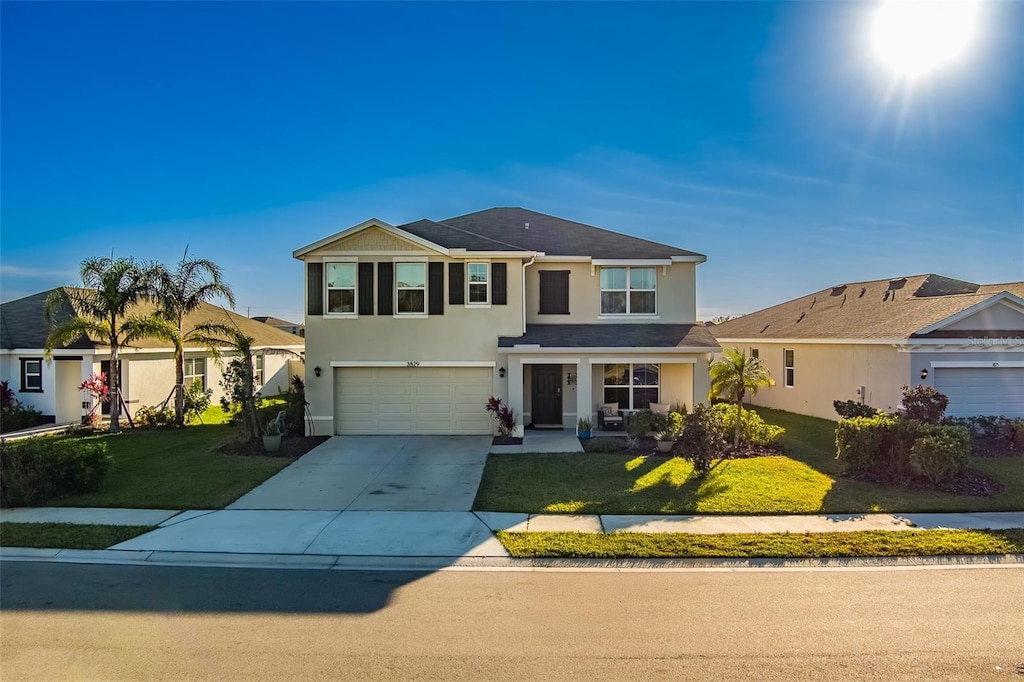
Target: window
[[787, 361], [195, 370], [628, 291], [257, 370], [32, 375], [479, 283], [341, 288], [411, 287], [755, 354], [554, 292], [633, 387]]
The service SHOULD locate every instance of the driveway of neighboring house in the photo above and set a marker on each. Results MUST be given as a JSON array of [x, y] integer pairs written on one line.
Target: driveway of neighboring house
[[378, 473]]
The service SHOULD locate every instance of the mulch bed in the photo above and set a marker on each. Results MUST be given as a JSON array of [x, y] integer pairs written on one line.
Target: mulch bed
[[291, 446], [506, 440], [995, 447], [971, 483]]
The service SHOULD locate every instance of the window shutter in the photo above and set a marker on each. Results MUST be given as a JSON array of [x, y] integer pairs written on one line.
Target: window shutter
[[554, 292], [365, 291], [435, 288], [456, 283], [314, 288], [499, 283], [385, 288]]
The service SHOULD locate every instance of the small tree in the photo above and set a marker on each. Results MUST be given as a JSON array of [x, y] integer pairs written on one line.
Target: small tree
[[924, 404], [733, 375], [701, 438]]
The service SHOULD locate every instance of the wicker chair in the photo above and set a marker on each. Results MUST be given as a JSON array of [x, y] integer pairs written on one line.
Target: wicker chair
[[608, 417]]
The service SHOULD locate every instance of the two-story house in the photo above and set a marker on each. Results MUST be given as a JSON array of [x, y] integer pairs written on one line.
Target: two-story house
[[410, 328]]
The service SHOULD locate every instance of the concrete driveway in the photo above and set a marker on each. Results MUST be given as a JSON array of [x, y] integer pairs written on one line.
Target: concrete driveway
[[378, 473]]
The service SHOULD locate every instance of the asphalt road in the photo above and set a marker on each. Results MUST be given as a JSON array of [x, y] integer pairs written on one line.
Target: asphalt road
[[65, 621]]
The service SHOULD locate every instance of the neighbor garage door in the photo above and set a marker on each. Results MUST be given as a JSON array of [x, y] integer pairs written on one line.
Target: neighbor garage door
[[982, 390], [422, 400]]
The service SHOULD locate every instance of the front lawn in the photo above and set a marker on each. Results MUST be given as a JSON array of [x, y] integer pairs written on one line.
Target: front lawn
[[876, 543], [174, 470], [66, 535], [806, 481]]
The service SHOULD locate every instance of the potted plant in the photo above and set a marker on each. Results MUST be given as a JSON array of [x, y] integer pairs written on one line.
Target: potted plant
[[672, 427], [272, 433], [583, 428]]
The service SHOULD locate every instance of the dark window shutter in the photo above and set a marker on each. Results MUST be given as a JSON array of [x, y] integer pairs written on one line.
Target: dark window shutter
[[456, 283], [435, 288], [366, 288], [385, 287], [314, 288], [499, 284], [554, 292]]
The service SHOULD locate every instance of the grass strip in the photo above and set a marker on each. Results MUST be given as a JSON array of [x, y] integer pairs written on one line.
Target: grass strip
[[872, 543], [66, 535]]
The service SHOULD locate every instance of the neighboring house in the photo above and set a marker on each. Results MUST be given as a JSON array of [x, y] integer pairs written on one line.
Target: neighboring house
[[410, 328], [864, 341], [283, 325], [147, 367]]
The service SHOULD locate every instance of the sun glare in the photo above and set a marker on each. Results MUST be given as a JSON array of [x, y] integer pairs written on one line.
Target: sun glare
[[914, 37]]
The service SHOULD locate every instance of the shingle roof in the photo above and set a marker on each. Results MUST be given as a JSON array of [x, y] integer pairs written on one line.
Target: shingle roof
[[548, 234], [884, 308], [452, 237], [613, 336], [273, 321], [23, 325]]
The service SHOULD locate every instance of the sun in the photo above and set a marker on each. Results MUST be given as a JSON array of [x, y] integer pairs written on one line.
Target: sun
[[915, 37]]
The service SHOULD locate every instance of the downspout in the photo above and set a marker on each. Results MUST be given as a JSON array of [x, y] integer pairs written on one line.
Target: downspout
[[526, 265]]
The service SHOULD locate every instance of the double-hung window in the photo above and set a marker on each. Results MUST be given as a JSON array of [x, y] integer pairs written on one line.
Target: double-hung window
[[341, 288], [789, 363], [195, 370], [633, 387], [629, 291], [755, 354], [411, 288], [479, 283], [32, 375]]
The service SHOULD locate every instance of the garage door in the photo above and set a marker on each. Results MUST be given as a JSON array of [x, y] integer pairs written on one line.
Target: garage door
[[421, 400], [982, 390]]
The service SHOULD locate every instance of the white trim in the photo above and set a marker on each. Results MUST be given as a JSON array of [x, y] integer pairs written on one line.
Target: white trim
[[994, 364], [534, 348], [628, 316], [322, 419], [977, 307], [887, 341], [342, 260], [785, 368], [551, 360], [544, 258], [632, 359], [505, 255], [366, 224], [626, 262], [42, 351], [469, 282], [418, 363], [699, 258], [366, 256], [415, 315]]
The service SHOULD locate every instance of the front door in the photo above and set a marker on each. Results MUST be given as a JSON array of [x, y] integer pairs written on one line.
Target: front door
[[546, 395]]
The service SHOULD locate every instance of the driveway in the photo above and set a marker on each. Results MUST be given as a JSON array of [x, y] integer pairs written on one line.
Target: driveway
[[378, 473]]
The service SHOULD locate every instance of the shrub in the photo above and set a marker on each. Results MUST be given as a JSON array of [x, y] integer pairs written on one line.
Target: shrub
[[154, 418], [671, 427], [196, 400], [851, 408], [941, 452], [871, 444], [702, 438], [502, 414], [924, 403], [1006, 429], [13, 415], [36, 469], [295, 407], [754, 429]]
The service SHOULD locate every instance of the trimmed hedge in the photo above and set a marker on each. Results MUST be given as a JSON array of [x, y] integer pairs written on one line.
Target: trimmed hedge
[[892, 444], [753, 430], [36, 469]]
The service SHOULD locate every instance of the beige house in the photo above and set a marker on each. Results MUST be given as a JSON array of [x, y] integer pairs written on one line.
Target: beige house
[[864, 341], [147, 367], [410, 328]]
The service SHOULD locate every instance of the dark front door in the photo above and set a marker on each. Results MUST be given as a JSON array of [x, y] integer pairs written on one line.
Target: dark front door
[[546, 395]]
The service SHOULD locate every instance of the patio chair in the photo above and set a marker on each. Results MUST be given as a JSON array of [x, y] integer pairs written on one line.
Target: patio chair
[[608, 417]]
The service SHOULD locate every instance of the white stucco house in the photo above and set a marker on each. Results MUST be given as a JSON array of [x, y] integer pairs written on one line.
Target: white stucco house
[[410, 328], [147, 367], [865, 340]]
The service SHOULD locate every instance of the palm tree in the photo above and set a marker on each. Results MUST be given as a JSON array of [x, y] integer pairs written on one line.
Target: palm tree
[[178, 293], [219, 337], [101, 312], [734, 374]]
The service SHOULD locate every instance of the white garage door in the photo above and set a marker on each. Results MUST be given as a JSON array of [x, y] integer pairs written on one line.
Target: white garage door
[[420, 400], [982, 390]]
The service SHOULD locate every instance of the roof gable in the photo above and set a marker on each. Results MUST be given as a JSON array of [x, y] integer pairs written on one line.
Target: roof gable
[[1003, 312], [378, 233]]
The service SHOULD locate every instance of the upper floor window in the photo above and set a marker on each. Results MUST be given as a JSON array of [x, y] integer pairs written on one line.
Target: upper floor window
[[788, 361], [628, 291], [411, 287], [341, 288], [195, 370], [32, 374], [479, 283]]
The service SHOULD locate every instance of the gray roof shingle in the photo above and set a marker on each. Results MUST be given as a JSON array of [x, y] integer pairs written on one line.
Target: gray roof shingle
[[613, 336]]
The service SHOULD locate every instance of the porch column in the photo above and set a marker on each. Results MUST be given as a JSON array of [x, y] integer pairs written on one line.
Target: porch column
[[515, 391], [584, 392]]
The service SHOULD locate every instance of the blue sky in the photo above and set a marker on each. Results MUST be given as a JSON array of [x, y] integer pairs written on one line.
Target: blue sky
[[766, 136]]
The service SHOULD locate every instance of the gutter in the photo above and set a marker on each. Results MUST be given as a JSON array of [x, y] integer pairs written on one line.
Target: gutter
[[526, 265]]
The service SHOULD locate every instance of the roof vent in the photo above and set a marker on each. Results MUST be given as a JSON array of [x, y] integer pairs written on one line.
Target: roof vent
[[885, 296], [764, 327], [527, 226], [843, 302], [814, 301], [802, 316], [836, 290], [863, 290]]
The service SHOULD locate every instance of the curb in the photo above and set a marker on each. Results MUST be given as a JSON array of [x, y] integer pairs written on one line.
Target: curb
[[432, 564]]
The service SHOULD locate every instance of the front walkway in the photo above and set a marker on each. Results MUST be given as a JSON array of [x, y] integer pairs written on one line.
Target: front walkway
[[543, 440]]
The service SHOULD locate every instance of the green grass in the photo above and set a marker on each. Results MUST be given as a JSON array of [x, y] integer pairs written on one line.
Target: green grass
[[66, 535], [750, 545], [805, 481], [174, 470]]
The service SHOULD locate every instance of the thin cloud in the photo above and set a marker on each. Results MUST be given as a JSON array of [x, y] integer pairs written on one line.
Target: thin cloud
[[9, 270]]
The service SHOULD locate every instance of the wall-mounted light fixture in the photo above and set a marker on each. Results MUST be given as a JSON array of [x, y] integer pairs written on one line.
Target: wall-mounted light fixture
[[501, 372], [317, 370], [924, 374], [570, 378]]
